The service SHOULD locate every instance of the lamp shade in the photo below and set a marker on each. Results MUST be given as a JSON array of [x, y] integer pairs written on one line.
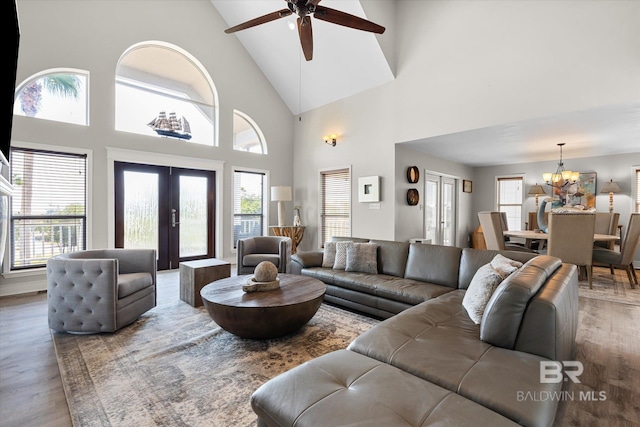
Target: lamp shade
[[281, 194], [611, 187], [536, 190]]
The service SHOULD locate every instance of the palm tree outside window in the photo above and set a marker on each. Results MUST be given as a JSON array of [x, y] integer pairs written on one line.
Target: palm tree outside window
[[59, 96]]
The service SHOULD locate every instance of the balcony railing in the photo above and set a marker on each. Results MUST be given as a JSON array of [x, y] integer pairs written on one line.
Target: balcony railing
[[35, 239]]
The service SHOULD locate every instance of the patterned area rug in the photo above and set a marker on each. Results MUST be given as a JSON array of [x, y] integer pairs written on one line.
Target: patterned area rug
[[175, 366], [616, 289]]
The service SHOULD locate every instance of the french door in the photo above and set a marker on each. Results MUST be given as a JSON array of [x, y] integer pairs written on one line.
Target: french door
[[440, 209], [170, 209]]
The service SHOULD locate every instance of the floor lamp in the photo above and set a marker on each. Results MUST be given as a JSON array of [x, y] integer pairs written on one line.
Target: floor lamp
[[280, 195]]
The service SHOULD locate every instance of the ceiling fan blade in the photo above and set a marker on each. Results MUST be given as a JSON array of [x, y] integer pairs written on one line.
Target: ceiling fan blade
[[306, 37], [259, 20], [345, 19]]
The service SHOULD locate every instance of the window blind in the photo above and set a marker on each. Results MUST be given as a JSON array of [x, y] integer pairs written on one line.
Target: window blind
[[335, 191], [48, 207]]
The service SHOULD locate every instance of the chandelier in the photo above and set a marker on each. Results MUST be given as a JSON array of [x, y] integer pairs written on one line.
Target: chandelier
[[561, 177]]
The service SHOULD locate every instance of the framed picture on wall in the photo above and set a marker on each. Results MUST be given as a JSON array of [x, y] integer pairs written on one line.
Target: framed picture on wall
[[369, 189], [467, 186], [582, 193]]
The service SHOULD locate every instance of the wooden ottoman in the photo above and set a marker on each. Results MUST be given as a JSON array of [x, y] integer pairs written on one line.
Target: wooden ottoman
[[195, 275]]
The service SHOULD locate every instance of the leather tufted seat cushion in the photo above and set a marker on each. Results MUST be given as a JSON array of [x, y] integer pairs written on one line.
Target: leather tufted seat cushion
[[456, 359], [343, 388]]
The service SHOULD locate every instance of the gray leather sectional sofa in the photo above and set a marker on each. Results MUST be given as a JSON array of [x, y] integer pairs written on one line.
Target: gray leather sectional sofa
[[428, 363]]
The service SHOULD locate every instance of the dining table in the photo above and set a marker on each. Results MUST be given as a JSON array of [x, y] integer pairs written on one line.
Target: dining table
[[531, 235], [542, 237], [539, 235]]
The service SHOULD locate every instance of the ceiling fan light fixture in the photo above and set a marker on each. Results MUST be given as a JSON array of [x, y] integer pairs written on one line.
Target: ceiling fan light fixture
[[305, 9]]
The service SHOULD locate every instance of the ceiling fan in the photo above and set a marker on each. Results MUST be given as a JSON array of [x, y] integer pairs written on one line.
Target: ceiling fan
[[305, 9]]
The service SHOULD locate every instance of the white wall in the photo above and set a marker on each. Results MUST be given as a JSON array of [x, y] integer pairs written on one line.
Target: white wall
[[410, 219], [464, 65], [471, 64], [91, 35]]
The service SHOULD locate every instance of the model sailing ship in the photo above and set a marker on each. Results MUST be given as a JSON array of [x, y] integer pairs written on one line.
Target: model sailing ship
[[171, 126]]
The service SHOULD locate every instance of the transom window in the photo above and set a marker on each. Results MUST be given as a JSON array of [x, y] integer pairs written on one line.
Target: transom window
[[510, 196], [59, 95], [162, 91], [247, 136]]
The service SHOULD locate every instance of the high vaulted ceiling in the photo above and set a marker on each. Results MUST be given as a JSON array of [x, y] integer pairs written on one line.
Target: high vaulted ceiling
[[345, 61], [348, 61]]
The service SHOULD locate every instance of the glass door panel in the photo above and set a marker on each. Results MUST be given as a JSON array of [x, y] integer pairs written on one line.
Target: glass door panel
[[448, 211], [440, 209], [193, 216], [140, 210], [431, 196]]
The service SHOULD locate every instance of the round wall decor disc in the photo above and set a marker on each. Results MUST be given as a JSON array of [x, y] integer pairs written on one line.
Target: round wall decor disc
[[413, 197], [413, 174]]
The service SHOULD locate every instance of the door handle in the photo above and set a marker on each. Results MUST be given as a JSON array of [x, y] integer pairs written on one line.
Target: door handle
[[173, 218]]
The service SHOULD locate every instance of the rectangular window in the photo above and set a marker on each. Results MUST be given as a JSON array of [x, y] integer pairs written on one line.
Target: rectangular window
[[248, 205], [509, 198], [48, 208], [335, 213]]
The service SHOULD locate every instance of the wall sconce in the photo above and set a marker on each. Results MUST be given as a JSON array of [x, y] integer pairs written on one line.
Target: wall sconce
[[330, 139]]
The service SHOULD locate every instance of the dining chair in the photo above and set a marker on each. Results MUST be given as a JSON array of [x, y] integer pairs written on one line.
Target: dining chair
[[493, 230], [606, 223], [622, 259], [571, 239]]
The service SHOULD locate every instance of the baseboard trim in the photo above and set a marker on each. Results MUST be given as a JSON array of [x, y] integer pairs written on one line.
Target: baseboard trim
[[23, 288]]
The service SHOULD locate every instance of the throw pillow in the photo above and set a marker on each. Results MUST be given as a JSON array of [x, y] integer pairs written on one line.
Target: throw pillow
[[479, 292], [505, 266], [341, 255], [362, 257], [329, 254]]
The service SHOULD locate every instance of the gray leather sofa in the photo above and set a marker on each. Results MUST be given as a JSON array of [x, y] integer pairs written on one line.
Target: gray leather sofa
[[428, 363]]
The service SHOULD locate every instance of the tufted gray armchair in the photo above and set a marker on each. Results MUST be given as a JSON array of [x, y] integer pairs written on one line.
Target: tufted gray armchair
[[253, 250], [100, 290]]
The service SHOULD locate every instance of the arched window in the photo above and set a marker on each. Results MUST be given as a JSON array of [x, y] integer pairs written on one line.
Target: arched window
[[163, 91], [247, 136], [59, 95]]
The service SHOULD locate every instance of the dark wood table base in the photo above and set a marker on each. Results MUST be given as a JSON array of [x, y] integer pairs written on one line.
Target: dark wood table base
[[263, 315]]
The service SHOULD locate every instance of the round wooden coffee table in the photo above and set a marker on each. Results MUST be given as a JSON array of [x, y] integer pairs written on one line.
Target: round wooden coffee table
[[263, 315]]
